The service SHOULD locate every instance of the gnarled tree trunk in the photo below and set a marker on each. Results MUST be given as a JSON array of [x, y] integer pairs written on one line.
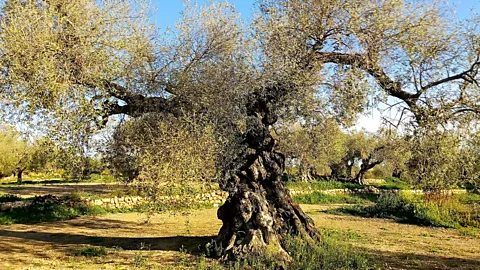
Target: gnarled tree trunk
[[259, 211]]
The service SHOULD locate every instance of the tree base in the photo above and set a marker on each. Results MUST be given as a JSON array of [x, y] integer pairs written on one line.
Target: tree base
[[259, 213]]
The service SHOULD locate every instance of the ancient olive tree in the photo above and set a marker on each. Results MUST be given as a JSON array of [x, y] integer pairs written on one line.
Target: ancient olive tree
[[360, 149], [81, 62]]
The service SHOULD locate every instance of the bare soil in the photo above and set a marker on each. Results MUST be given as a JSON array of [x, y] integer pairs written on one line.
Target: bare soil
[[98, 189], [133, 242]]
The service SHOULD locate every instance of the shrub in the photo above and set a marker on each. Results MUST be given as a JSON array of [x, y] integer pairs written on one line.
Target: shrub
[[50, 208], [447, 212], [9, 198]]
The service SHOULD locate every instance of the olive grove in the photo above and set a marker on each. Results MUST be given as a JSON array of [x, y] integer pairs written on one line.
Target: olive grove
[[200, 102]]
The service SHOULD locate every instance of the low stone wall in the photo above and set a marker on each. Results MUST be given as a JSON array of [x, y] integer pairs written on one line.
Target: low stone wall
[[116, 202], [215, 197]]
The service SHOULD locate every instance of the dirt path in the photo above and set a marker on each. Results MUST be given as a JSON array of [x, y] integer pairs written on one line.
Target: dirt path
[[131, 242], [63, 189]]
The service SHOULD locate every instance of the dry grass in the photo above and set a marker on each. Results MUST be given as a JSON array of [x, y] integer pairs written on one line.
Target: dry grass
[[51, 245]]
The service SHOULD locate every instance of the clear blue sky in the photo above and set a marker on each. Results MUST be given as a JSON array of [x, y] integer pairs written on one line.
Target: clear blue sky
[[168, 11]]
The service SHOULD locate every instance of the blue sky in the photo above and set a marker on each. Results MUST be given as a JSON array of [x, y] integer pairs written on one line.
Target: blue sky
[[168, 12]]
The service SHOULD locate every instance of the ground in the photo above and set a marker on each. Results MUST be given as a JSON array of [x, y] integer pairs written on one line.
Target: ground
[[59, 189], [162, 242]]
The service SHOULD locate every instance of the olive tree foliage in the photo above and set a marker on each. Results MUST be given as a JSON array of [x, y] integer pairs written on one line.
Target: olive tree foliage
[[77, 63], [436, 162], [310, 149], [12, 150], [18, 154], [470, 157]]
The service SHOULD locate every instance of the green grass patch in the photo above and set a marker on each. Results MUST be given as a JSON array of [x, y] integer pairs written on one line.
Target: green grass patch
[[317, 197], [332, 252], [100, 178], [90, 251], [393, 183], [469, 198], [449, 212], [323, 185]]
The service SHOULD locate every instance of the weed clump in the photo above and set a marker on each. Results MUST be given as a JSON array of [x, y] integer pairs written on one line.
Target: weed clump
[[437, 211], [90, 251]]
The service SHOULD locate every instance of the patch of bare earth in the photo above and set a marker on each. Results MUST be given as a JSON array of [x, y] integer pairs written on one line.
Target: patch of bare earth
[[99, 189], [131, 242], [403, 246]]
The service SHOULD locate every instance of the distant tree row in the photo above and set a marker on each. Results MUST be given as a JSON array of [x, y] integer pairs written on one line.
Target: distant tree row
[[430, 160], [42, 155]]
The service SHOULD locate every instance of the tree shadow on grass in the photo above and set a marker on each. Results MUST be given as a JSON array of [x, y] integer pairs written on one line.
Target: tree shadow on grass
[[172, 243]]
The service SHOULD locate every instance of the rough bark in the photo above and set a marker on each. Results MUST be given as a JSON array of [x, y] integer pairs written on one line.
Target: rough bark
[[259, 211]]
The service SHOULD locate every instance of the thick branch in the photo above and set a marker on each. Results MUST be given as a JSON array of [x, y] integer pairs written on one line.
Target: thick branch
[[467, 75], [362, 61]]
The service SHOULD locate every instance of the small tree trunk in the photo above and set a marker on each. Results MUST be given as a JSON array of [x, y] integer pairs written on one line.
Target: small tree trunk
[[349, 171], [396, 173], [19, 176], [360, 177]]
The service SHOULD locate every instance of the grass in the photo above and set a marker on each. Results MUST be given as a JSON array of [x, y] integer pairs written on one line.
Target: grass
[[332, 252], [322, 198], [43, 179], [90, 251], [393, 183], [322, 185], [448, 212]]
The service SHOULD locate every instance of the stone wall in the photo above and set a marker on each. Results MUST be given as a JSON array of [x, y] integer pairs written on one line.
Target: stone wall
[[116, 202], [215, 198]]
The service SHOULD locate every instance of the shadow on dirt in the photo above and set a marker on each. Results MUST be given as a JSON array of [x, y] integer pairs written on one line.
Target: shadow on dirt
[[173, 243]]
